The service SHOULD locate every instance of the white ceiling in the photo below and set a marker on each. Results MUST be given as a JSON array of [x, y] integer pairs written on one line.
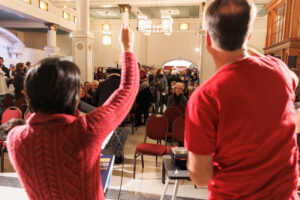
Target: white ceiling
[[144, 3]]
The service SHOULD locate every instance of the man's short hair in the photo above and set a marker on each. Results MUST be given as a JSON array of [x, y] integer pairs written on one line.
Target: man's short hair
[[229, 22], [28, 64], [1, 58], [179, 84], [53, 87]]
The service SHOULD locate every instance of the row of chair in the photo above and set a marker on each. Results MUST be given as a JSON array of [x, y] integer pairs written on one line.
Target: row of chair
[[8, 114], [157, 129]]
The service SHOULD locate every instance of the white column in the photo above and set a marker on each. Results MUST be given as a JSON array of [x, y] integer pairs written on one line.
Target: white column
[[82, 8], [124, 10], [51, 49], [83, 42], [207, 68]]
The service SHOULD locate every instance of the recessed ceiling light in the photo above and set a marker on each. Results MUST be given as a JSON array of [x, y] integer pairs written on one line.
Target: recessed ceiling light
[[184, 26]]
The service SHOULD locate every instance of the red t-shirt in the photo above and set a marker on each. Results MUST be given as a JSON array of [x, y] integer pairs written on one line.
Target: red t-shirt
[[245, 117]]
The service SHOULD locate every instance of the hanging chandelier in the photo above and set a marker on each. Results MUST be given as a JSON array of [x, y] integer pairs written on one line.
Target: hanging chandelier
[[147, 27]]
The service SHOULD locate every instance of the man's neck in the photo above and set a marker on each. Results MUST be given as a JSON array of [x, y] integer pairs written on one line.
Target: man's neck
[[222, 57]]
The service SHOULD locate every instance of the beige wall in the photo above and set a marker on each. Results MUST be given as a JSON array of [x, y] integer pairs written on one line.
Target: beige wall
[[181, 45], [155, 49]]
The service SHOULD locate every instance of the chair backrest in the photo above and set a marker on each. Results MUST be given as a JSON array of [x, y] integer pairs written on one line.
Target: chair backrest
[[9, 101], [10, 113], [171, 114], [27, 114], [179, 107], [22, 104], [178, 130], [156, 127]]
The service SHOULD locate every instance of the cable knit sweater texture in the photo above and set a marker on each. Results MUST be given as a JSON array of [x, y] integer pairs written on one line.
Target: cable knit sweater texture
[[58, 156]]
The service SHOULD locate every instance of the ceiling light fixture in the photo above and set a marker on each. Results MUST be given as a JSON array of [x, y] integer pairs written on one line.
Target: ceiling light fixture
[[106, 33], [145, 25], [184, 27]]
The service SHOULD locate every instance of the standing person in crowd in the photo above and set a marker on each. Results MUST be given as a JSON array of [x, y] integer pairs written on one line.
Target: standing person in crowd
[[161, 88], [189, 90], [143, 102], [19, 80], [107, 87], [100, 74], [177, 97], [3, 68], [28, 66], [56, 153], [3, 90], [240, 124], [174, 77]]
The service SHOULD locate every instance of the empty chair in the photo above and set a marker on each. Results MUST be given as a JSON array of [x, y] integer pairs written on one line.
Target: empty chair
[[156, 129], [10, 113]]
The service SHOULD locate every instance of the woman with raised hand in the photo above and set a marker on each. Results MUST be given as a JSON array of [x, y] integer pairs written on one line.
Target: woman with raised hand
[[57, 152]]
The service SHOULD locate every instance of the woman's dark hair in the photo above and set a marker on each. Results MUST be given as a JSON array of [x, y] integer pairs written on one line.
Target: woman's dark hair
[[53, 86], [228, 22], [158, 71], [19, 67]]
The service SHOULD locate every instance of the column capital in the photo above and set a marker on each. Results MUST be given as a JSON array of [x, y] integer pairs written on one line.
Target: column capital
[[124, 8], [51, 26]]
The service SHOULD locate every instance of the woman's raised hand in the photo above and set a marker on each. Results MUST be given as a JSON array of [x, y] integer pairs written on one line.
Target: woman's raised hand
[[126, 38]]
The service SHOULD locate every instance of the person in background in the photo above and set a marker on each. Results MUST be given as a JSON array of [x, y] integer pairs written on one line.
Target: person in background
[[100, 74], [143, 102], [174, 77], [56, 153], [189, 90], [161, 88], [3, 68], [3, 91], [177, 97], [107, 87], [19, 80], [240, 124], [95, 85], [84, 97], [28, 66]]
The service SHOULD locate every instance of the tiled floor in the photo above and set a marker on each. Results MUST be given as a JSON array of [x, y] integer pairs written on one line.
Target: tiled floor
[[147, 184]]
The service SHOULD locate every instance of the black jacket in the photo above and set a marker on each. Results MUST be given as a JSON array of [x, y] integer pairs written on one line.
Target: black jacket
[[19, 81], [105, 89], [6, 71]]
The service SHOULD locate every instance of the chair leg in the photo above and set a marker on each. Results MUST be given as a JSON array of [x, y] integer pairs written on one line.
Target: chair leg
[[142, 160], [2, 159], [163, 175], [134, 166], [155, 161]]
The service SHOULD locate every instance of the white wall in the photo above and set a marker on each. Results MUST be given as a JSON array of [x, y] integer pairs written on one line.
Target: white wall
[[180, 45], [155, 49]]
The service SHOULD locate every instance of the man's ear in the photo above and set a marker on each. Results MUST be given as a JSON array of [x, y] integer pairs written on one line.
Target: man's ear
[[208, 39]]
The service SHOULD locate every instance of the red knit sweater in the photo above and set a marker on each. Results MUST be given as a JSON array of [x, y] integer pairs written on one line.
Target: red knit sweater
[[57, 156]]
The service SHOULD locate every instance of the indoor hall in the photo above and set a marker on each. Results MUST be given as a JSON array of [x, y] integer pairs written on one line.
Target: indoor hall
[[169, 36]]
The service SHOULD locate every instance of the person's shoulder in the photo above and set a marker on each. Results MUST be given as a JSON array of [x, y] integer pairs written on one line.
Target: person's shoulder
[[17, 133]]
